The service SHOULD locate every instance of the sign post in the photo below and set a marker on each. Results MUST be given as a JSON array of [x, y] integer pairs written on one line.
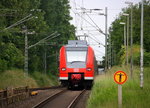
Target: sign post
[[119, 96], [120, 78]]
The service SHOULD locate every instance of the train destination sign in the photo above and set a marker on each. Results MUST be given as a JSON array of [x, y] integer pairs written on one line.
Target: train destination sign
[[120, 77]]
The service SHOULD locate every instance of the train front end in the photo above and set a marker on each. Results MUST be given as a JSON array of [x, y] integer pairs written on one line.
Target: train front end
[[76, 66]]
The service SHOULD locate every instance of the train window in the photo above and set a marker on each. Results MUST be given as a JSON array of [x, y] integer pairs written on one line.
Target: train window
[[76, 56]]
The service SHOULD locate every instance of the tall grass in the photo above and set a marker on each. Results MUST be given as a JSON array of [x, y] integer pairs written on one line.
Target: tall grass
[[16, 78], [105, 91], [45, 80]]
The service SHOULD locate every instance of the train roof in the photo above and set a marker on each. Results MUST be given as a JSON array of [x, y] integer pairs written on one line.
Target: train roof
[[77, 43]]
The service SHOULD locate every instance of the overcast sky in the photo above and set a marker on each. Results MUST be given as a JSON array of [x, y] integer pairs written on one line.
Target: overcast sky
[[114, 8]]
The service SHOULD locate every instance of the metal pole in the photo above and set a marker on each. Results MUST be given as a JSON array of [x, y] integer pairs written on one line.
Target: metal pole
[[45, 60], [119, 96], [26, 53], [106, 39], [125, 42], [127, 37], [142, 53], [112, 55], [110, 51], [125, 45], [131, 64]]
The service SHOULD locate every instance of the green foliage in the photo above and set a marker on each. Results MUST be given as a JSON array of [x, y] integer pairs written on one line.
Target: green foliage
[[104, 93], [15, 78], [10, 56], [122, 55], [44, 80], [136, 55], [51, 16], [117, 32], [3, 65], [147, 58]]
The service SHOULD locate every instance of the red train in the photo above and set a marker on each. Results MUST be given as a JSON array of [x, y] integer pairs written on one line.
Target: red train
[[77, 64]]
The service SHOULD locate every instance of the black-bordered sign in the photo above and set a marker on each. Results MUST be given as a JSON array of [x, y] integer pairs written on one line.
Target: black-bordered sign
[[120, 77]]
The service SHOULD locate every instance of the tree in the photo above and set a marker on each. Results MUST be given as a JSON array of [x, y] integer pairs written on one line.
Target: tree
[[117, 30], [46, 17]]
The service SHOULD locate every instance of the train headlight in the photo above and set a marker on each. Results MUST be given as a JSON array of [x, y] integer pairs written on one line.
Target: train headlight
[[88, 69], [63, 69]]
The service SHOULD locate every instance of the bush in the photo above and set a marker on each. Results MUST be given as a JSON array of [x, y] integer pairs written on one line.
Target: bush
[[11, 56], [147, 59], [3, 65], [44, 80], [16, 78], [104, 93], [136, 56]]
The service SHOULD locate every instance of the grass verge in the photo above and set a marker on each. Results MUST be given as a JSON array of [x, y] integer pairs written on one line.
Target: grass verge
[[105, 90], [45, 80], [15, 78]]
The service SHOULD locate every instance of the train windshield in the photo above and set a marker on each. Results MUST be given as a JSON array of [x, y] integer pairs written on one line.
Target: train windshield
[[76, 59], [76, 56]]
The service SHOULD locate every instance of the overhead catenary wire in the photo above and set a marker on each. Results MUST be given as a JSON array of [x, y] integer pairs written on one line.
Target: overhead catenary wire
[[46, 38], [110, 9], [95, 24], [90, 19], [88, 22], [19, 22], [96, 41], [95, 37]]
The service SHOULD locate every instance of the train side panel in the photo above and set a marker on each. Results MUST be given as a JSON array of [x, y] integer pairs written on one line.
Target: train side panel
[[63, 75], [89, 74]]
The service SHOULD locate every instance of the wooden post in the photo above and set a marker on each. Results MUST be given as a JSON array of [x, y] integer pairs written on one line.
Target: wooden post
[[120, 78], [119, 96]]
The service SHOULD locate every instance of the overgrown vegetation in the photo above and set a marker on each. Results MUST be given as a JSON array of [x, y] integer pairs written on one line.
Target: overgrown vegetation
[[17, 78], [45, 17], [116, 32], [45, 80], [105, 94]]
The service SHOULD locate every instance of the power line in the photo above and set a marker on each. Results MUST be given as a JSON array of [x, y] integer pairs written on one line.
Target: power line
[[19, 22], [46, 38], [95, 24], [96, 40], [88, 22], [90, 19], [94, 37]]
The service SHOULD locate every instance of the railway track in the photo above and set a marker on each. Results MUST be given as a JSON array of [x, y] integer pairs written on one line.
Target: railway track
[[44, 102], [76, 99], [62, 99]]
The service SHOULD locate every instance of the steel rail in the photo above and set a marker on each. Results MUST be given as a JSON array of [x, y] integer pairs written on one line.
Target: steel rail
[[76, 99], [44, 102]]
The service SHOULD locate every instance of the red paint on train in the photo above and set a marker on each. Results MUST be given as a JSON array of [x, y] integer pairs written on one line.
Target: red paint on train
[[77, 76]]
